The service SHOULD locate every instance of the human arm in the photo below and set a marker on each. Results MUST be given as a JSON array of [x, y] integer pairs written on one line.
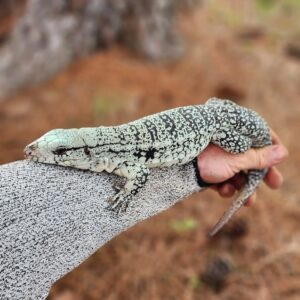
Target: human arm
[[52, 218]]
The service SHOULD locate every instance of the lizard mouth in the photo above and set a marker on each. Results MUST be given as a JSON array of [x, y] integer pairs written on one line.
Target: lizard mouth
[[30, 151]]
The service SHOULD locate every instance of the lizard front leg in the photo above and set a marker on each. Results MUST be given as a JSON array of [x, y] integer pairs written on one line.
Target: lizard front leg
[[136, 175]]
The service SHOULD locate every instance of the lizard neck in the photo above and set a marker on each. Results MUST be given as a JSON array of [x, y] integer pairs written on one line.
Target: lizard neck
[[97, 136]]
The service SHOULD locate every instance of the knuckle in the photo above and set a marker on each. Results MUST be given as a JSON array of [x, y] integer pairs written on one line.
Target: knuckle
[[260, 160]]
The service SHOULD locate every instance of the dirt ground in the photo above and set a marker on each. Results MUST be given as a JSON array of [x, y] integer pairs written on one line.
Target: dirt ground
[[236, 50]]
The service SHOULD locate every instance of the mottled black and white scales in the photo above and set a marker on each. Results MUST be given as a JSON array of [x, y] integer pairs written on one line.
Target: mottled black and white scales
[[172, 137]]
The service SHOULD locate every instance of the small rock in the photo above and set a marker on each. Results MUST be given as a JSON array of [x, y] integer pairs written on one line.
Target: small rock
[[216, 273]]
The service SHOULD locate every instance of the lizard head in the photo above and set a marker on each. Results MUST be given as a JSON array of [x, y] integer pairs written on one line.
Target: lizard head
[[240, 120], [63, 147]]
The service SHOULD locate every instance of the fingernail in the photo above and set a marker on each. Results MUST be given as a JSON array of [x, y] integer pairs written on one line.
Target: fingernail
[[279, 153]]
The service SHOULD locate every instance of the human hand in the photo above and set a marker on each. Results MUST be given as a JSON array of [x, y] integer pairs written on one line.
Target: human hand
[[227, 171]]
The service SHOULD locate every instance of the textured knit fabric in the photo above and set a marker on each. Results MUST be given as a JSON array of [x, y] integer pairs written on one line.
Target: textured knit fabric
[[52, 218]]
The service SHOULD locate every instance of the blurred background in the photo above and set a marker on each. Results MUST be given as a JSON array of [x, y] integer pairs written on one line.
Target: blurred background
[[75, 63]]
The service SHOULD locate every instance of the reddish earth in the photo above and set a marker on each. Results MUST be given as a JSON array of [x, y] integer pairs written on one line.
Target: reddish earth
[[229, 54]]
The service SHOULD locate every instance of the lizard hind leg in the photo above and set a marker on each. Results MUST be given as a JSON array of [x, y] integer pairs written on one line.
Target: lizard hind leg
[[231, 141], [136, 175], [254, 179]]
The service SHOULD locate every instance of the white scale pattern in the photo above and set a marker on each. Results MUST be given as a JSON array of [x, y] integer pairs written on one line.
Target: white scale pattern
[[173, 137]]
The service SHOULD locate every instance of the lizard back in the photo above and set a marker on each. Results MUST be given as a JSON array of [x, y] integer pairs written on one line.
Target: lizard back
[[171, 137]]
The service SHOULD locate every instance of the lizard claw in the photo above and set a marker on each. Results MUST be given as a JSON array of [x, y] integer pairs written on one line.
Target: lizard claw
[[117, 188]]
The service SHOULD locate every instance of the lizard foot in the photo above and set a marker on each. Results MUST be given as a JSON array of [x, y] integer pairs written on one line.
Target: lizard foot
[[117, 188], [119, 202]]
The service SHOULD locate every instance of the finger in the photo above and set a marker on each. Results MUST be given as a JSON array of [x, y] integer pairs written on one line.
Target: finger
[[226, 189], [214, 187], [261, 158], [273, 178], [275, 138], [251, 200], [239, 180]]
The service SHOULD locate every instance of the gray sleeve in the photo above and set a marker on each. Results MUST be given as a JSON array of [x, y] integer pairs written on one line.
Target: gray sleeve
[[52, 218]]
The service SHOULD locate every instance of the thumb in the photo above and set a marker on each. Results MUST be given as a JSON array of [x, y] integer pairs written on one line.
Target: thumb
[[261, 158]]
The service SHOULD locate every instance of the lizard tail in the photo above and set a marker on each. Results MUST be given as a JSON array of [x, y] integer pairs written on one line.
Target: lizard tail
[[254, 179]]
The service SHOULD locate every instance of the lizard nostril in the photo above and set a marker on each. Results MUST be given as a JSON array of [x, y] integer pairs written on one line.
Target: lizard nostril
[[29, 150]]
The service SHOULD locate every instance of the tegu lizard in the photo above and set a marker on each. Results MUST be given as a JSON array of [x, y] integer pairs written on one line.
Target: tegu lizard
[[172, 137]]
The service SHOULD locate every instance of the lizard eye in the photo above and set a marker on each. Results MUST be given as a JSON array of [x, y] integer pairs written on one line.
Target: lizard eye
[[87, 151], [59, 151]]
